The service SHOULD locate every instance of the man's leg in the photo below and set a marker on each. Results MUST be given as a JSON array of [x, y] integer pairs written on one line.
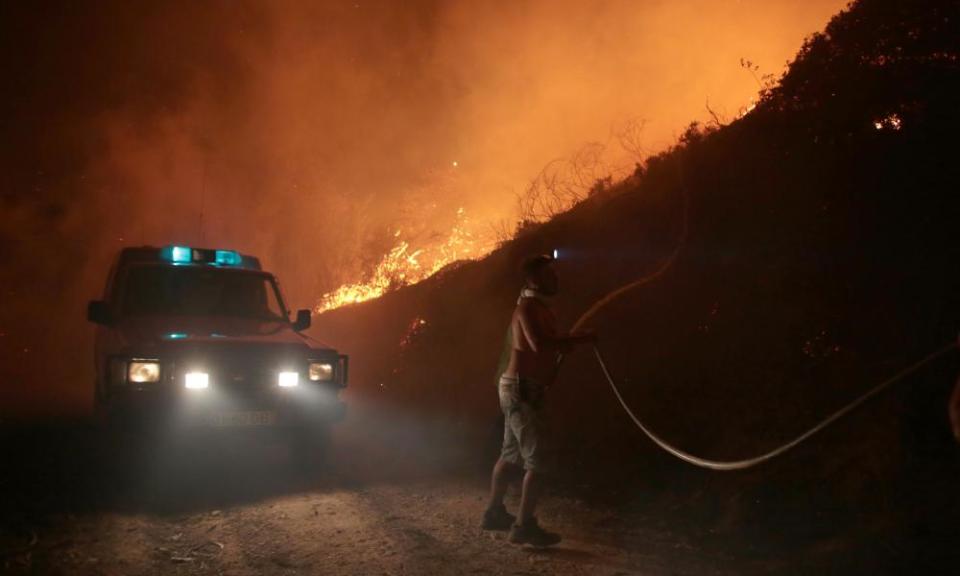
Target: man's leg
[[528, 499], [496, 516], [498, 483], [527, 530]]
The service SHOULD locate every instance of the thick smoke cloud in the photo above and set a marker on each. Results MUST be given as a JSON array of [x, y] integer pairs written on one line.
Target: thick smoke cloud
[[309, 132]]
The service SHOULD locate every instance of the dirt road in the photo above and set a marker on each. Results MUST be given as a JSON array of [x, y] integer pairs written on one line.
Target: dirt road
[[251, 509], [413, 529], [336, 525]]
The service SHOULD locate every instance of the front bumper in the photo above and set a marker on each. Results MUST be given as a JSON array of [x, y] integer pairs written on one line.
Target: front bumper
[[302, 407]]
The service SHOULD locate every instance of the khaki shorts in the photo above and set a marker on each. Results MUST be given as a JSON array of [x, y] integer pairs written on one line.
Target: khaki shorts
[[522, 405]]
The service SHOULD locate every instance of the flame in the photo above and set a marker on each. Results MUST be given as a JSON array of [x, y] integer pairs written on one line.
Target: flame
[[405, 264], [750, 107]]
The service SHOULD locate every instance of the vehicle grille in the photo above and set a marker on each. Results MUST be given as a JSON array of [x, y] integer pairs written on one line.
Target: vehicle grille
[[241, 372]]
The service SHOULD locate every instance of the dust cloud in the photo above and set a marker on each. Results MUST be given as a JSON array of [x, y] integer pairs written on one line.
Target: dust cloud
[[309, 133]]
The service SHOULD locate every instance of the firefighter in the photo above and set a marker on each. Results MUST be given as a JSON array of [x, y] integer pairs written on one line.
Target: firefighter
[[535, 346]]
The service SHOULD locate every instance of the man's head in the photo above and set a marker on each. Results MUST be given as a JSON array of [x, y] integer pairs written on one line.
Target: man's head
[[539, 275]]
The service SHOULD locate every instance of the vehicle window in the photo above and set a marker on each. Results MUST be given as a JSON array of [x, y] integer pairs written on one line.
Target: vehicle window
[[188, 291]]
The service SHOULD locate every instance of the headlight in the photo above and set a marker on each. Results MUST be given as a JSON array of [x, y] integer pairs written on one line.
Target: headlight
[[140, 371], [196, 380], [321, 372], [288, 379]]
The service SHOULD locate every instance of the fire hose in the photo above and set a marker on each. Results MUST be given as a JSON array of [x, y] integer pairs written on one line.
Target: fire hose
[[725, 465], [751, 462]]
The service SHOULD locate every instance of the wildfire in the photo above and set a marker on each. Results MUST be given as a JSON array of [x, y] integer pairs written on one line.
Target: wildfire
[[405, 264]]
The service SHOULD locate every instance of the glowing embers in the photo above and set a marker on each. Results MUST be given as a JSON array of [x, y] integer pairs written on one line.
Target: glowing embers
[[196, 380], [891, 122], [414, 330], [821, 346], [288, 379]]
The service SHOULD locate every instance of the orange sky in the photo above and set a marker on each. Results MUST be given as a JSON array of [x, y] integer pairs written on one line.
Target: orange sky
[[343, 123]]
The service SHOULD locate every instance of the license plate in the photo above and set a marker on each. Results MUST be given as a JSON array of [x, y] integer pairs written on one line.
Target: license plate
[[241, 419]]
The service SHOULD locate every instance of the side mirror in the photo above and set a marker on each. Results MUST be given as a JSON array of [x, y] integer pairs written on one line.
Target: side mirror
[[303, 320], [98, 312]]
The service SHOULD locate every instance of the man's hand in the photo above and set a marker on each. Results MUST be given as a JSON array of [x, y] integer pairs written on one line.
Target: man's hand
[[566, 344]]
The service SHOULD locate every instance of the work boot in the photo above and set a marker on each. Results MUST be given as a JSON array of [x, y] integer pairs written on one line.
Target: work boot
[[531, 533], [497, 518]]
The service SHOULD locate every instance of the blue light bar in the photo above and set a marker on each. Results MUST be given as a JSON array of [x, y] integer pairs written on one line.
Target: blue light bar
[[176, 336], [177, 254], [180, 255], [227, 258]]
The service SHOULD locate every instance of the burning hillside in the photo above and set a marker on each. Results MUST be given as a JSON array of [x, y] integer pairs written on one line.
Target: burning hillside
[[819, 261], [407, 264]]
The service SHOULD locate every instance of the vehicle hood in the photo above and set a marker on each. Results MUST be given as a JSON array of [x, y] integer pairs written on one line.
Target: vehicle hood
[[159, 331]]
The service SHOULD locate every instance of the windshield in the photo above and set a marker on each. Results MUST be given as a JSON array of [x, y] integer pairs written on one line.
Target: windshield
[[189, 291]]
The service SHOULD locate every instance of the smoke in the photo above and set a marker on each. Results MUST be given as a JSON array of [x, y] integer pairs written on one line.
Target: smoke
[[308, 133]]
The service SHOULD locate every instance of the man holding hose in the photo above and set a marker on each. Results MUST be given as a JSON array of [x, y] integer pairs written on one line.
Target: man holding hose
[[535, 347]]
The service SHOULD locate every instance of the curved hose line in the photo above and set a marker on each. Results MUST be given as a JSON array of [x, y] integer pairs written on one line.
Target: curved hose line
[[750, 462], [664, 266], [724, 465]]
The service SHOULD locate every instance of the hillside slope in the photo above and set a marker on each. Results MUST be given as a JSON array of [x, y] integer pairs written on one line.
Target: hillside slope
[[820, 258]]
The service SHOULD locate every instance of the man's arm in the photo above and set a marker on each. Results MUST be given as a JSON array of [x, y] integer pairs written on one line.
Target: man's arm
[[542, 334]]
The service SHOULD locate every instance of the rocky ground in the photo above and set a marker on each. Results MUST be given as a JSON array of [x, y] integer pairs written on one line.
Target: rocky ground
[[421, 528]]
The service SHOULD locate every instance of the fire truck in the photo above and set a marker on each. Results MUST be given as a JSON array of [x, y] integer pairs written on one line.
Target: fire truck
[[191, 339]]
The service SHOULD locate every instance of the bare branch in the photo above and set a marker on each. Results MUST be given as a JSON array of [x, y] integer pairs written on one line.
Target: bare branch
[[716, 119]]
